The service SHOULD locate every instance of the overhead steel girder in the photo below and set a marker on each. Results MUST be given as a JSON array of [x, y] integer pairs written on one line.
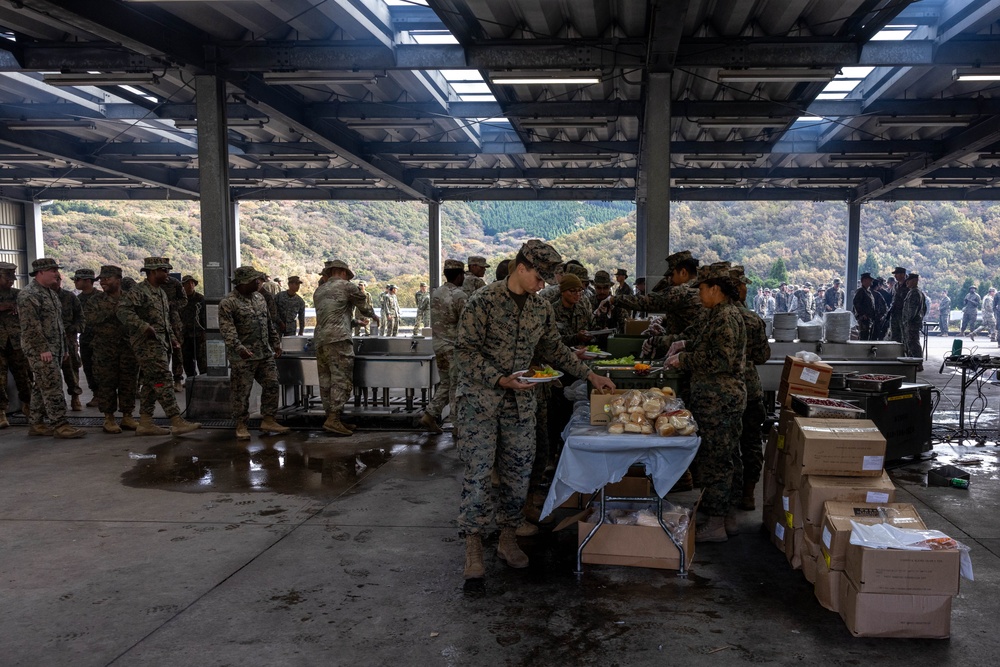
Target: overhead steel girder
[[151, 31], [595, 109], [529, 173]]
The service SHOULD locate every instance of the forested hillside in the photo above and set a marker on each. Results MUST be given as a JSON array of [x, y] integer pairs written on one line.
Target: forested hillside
[[951, 244]]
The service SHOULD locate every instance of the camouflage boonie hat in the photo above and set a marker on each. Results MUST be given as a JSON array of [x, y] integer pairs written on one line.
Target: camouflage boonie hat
[[245, 274], [110, 271], [294, 279], [676, 258], [543, 258], [602, 278], [7, 266], [84, 274], [153, 263], [578, 271], [737, 273], [454, 264], [338, 264], [43, 264], [715, 271], [476, 260], [189, 279]]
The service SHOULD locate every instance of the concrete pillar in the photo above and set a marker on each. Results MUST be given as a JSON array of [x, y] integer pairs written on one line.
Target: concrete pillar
[[641, 230], [853, 247], [434, 243], [655, 172], [34, 247]]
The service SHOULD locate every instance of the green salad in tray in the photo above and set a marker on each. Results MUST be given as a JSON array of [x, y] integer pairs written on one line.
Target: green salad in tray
[[620, 361]]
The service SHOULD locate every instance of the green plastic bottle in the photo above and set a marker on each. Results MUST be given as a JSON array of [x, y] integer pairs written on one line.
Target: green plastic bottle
[[959, 483], [956, 347]]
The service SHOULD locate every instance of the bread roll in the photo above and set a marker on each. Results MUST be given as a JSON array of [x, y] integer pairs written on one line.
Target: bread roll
[[687, 430], [668, 392], [616, 428], [666, 430], [632, 427], [647, 428]]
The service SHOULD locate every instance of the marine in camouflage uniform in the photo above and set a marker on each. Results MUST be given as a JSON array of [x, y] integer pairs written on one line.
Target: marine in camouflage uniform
[[502, 328], [252, 343], [758, 351], [474, 275], [606, 318], [145, 312], [447, 302], [896, 306], [194, 321], [43, 340], [914, 309], [389, 325], [115, 366], [362, 327], [335, 300], [716, 360], [863, 306], [11, 356], [84, 279], [291, 309], [423, 301], [72, 317], [572, 312], [176, 300]]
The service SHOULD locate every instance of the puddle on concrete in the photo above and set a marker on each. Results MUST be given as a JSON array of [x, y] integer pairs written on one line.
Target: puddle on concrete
[[300, 464]]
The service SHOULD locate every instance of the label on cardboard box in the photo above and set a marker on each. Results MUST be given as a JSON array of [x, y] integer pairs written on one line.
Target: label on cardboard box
[[810, 375], [779, 530], [873, 463], [876, 497], [827, 536]]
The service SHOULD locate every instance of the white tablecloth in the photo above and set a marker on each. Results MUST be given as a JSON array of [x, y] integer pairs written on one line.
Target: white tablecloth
[[592, 457]]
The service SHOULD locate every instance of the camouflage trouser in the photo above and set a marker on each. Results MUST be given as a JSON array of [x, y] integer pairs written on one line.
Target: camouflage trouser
[[87, 358], [717, 465], [117, 373], [423, 320], [335, 363], [193, 352], [177, 364], [543, 444], [969, 320], [751, 449], [944, 322], [388, 326], [47, 398], [71, 367], [896, 327], [990, 322], [13, 360], [505, 438], [155, 382], [444, 392], [911, 339], [242, 373], [866, 329]]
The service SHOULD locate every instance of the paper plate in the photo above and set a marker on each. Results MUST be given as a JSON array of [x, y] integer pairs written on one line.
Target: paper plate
[[550, 378]]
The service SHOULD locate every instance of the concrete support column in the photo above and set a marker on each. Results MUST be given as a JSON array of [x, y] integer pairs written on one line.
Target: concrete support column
[[34, 247], [434, 243], [853, 246], [653, 230], [641, 230]]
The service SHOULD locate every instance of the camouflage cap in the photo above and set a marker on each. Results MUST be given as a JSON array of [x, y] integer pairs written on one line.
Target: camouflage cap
[[714, 271], [338, 264], [246, 274], [578, 271], [7, 266], [153, 263], [602, 278], [189, 279], [43, 264], [913, 276], [294, 279], [543, 258], [423, 284], [454, 264], [676, 258], [477, 260], [84, 274], [361, 283], [621, 272], [110, 271], [737, 273]]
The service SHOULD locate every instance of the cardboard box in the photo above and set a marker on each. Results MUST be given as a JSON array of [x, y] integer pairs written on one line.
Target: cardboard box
[[794, 547], [809, 564], [895, 571], [815, 490], [827, 586], [785, 420], [771, 448], [900, 616], [786, 391], [598, 402], [634, 483], [812, 546], [778, 530], [638, 546], [850, 448], [836, 533], [792, 508], [635, 327], [808, 374]]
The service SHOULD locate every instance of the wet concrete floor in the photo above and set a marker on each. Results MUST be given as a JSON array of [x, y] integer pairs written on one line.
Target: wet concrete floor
[[310, 550]]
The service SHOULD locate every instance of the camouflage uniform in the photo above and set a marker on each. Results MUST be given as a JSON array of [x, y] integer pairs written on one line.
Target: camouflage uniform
[[472, 283], [896, 313], [177, 299], [423, 300], [914, 309], [87, 343], [246, 325], [496, 338], [194, 321], [716, 359], [806, 304], [40, 312], [72, 317], [335, 300], [571, 321], [758, 351], [115, 366], [140, 308], [447, 303], [11, 356], [389, 325], [357, 316], [291, 313], [681, 308]]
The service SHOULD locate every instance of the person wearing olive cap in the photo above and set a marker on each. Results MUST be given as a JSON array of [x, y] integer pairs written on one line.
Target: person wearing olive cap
[[252, 344], [83, 280], [447, 302], [474, 274], [502, 328], [715, 356], [115, 365], [291, 309], [896, 306], [623, 289], [423, 301], [362, 325], [989, 318], [970, 310], [863, 306], [390, 312], [72, 315], [194, 321], [145, 312], [914, 309], [11, 356]]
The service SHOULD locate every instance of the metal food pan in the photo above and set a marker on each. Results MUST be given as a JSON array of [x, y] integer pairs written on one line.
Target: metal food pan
[[867, 383], [845, 411]]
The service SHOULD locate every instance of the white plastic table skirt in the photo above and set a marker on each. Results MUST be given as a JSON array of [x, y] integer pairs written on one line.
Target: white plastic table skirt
[[592, 457]]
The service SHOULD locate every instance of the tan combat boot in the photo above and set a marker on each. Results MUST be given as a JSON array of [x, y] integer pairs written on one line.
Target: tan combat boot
[[713, 530], [74, 404], [147, 427], [242, 432], [179, 426], [66, 432], [129, 423], [509, 551], [333, 425], [3, 420], [110, 426], [269, 425], [429, 423], [474, 567], [40, 429]]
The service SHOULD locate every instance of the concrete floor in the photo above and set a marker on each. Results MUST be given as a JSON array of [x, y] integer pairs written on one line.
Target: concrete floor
[[309, 550]]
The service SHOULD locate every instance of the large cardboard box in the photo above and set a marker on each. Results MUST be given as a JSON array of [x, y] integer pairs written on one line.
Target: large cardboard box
[[792, 506], [795, 547], [827, 585], [895, 571], [809, 565], [785, 420], [638, 546], [851, 448], [815, 490], [786, 391], [634, 483], [635, 327], [901, 616], [836, 534], [808, 374], [771, 448]]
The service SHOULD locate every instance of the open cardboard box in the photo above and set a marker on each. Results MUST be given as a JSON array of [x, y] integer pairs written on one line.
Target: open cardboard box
[[806, 373], [836, 533], [888, 615], [897, 571]]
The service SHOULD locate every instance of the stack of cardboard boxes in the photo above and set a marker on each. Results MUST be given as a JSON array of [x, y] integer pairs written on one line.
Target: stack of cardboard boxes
[[818, 475]]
